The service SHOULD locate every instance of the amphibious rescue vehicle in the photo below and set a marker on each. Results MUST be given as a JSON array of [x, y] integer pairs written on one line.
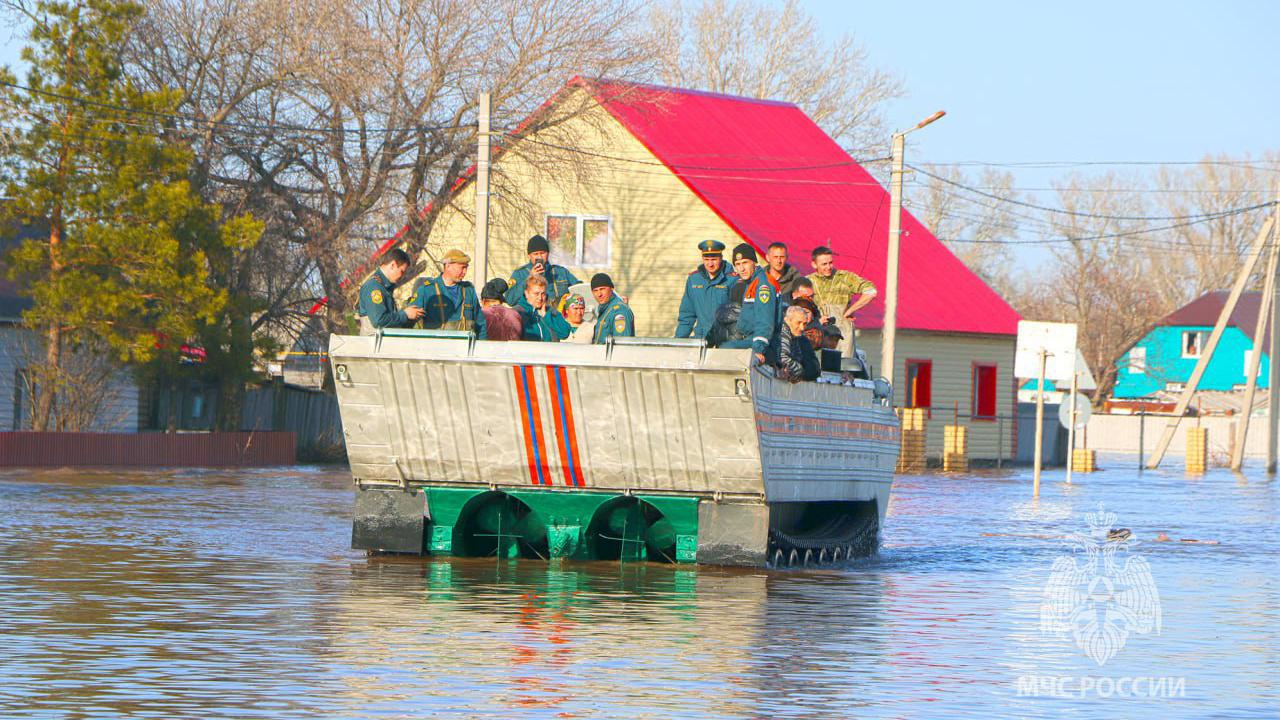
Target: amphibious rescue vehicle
[[642, 449]]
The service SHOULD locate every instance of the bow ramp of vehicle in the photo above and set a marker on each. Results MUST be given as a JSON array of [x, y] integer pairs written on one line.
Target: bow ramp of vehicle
[[642, 449]]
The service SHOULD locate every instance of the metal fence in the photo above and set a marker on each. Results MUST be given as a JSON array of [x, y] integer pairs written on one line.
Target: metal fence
[[312, 415]]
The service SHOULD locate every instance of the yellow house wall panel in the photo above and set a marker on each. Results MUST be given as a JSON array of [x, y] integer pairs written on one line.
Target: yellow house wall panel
[[656, 220], [953, 357]]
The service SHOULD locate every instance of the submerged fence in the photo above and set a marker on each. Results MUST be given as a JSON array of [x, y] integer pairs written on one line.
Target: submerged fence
[[152, 449]]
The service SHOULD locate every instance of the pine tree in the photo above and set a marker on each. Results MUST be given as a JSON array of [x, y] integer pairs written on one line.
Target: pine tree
[[125, 263]]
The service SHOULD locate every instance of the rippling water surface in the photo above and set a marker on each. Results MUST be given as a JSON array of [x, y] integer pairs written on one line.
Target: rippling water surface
[[233, 594]]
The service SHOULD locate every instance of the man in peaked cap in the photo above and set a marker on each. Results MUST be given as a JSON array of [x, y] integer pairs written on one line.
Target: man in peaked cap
[[705, 290], [559, 279], [613, 317], [448, 302], [760, 315]]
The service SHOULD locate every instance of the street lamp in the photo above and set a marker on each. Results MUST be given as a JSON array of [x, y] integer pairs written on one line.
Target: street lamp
[[890, 332]]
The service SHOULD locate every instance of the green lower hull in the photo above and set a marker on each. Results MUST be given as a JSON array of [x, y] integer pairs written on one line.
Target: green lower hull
[[548, 524]]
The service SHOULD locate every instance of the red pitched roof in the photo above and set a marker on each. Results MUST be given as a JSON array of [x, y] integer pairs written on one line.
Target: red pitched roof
[[1204, 311], [773, 175]]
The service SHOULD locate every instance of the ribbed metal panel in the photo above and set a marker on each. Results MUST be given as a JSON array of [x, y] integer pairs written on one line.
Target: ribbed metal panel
[[216, 449]]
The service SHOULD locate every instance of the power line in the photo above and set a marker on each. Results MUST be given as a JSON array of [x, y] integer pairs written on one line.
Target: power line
[[256, 127], [1076, 213]]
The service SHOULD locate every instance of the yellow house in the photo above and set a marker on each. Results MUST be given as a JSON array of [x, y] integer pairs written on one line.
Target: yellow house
[[633, 176]]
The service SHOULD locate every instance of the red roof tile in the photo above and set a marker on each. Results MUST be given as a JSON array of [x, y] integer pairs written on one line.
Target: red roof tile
[[773, 175]]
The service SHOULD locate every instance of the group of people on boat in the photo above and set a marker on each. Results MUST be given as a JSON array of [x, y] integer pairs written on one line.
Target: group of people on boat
[[785, 318]]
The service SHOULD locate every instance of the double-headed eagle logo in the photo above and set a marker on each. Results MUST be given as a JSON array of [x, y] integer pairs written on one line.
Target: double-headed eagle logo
[[1102, 592]]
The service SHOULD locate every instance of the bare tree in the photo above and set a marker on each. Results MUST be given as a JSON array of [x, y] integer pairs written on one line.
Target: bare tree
[[760, 50], [335, 138], [977, 229]]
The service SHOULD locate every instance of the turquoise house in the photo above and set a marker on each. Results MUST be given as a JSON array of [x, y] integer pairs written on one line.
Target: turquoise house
[[1164, 359]]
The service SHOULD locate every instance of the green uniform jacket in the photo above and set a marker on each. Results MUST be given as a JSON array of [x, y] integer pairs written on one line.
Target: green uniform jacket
[[614, 319], [559, 280], [703, 295], [441, 311], [551, 327], [378, 304]]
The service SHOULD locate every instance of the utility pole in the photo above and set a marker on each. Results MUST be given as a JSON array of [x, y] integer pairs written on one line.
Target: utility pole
[[889, 334], [1206, 354], [1039, 452], [1255, 359], [1273, 391], [481, 260]]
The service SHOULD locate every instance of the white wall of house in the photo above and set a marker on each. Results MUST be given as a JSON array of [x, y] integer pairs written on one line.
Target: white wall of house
[[118, 414], [954, 357]]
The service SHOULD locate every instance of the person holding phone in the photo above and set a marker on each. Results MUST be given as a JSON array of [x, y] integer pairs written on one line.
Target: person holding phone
[[558, 278]]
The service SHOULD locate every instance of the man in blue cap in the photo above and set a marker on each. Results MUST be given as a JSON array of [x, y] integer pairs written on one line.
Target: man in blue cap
[[558, 278], [705, 290], [613, 317], [760, 304]]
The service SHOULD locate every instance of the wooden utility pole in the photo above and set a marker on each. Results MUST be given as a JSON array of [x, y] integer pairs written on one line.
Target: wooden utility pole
[[889, 334], [1039, 452], [1071, 428], [481, 261], [1255, 358], [1206, 353], [1273, 391]]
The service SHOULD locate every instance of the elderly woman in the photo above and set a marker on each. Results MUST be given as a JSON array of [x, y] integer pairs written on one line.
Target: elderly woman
[[791, 352], [541, 321], [575, 313]]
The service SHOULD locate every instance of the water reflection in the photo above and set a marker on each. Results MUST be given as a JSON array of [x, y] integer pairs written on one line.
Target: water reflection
[[208, 594]]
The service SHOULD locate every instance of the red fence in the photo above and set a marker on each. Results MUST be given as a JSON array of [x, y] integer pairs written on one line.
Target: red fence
[[211, 449]]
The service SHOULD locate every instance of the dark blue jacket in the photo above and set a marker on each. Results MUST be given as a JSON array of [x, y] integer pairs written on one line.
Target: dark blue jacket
[[761, 311], [703, 295], [440, 310], [614, 319], [378, 304], [559, 280]]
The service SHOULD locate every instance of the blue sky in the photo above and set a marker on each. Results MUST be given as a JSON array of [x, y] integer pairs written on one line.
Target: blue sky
[[1118, 80]]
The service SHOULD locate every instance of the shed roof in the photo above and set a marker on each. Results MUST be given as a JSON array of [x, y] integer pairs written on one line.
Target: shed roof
[[1204, 311], [773, 175]]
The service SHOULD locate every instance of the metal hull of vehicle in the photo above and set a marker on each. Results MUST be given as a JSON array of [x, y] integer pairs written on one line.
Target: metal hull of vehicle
[[637, 451]]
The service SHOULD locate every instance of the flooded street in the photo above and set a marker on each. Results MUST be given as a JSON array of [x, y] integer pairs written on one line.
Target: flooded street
[[233, 595]]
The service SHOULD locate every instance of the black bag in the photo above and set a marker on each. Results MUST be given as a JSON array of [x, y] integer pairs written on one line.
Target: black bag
[[726, 327]]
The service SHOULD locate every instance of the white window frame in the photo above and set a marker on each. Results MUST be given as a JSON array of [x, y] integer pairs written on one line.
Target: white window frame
[[1138, 361], [1199, 343], [580, 226]]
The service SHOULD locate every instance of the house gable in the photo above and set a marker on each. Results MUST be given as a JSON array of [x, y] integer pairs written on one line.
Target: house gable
[[592, 166]]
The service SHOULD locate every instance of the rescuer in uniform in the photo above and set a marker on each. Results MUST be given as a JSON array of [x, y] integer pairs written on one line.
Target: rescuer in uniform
[[558, 278], [705, 290], [760, 316], [613, 317], [448, 302], [377, 306]]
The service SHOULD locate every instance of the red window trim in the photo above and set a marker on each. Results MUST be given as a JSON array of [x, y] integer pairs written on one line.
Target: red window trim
[[994, 392], [926, 362]]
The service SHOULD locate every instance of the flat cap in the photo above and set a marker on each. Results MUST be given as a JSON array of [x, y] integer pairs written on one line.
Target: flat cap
[[745, 252], [711, 247], [455, 256], [601, 280]]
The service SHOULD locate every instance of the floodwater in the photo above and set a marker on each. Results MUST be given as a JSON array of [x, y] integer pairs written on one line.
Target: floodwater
[[233, 595]]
